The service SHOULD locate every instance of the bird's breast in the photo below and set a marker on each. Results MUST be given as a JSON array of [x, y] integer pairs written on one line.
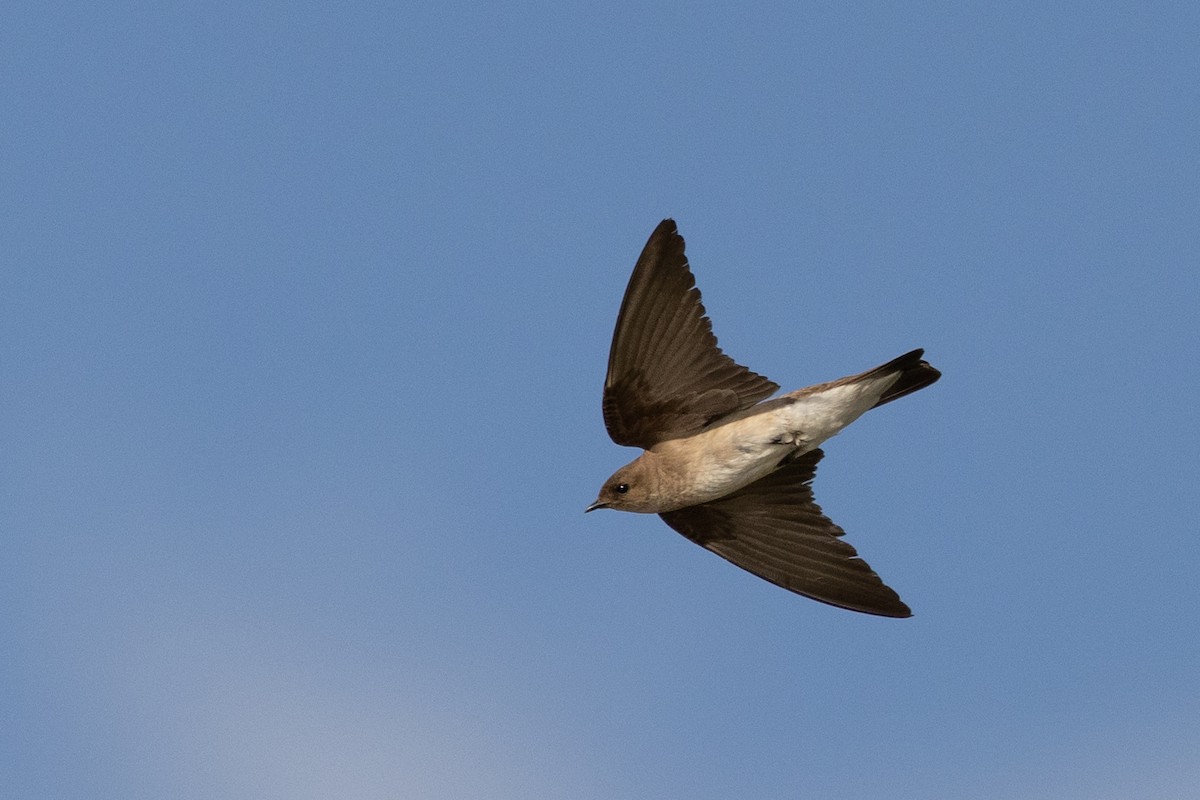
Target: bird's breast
[[719, 461]]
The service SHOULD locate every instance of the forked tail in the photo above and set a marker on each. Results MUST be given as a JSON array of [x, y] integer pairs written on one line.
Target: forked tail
[[915, 374]]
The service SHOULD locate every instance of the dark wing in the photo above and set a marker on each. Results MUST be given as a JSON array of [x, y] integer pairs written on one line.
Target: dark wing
[[774, 529], [666, 376]]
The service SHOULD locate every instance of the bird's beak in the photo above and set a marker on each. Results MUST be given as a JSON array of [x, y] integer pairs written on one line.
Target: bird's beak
[[595, 505]]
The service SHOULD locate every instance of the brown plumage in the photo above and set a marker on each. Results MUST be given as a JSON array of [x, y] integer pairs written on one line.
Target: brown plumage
[[724, 466]]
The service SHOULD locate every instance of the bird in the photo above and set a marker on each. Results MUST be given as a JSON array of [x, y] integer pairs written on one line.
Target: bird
[[722, 464]]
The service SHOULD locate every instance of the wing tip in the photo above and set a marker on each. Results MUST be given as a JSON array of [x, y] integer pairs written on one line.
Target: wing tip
[[884, 603]]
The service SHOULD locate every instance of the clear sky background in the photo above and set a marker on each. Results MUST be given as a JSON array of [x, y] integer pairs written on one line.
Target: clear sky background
[[304, 316]]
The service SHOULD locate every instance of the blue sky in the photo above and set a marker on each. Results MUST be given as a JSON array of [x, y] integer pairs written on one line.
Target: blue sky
[[304, 315]]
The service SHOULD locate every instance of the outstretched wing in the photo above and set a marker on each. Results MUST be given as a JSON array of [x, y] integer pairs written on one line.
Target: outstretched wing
[[667, 377], [774, 529]]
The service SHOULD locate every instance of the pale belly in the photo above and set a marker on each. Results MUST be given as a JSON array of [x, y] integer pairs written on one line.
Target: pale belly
[[733, 454]]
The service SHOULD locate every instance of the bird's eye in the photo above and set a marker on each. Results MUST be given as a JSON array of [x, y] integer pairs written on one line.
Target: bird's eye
[[622, 488]]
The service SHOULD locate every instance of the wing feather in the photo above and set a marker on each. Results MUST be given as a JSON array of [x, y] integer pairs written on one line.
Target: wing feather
[[774, 529], [666, 375]]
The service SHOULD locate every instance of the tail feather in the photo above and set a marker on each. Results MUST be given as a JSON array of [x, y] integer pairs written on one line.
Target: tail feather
[[915, 374]]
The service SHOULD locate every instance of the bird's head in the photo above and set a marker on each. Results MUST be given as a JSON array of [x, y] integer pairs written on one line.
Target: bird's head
[[634, 487]]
